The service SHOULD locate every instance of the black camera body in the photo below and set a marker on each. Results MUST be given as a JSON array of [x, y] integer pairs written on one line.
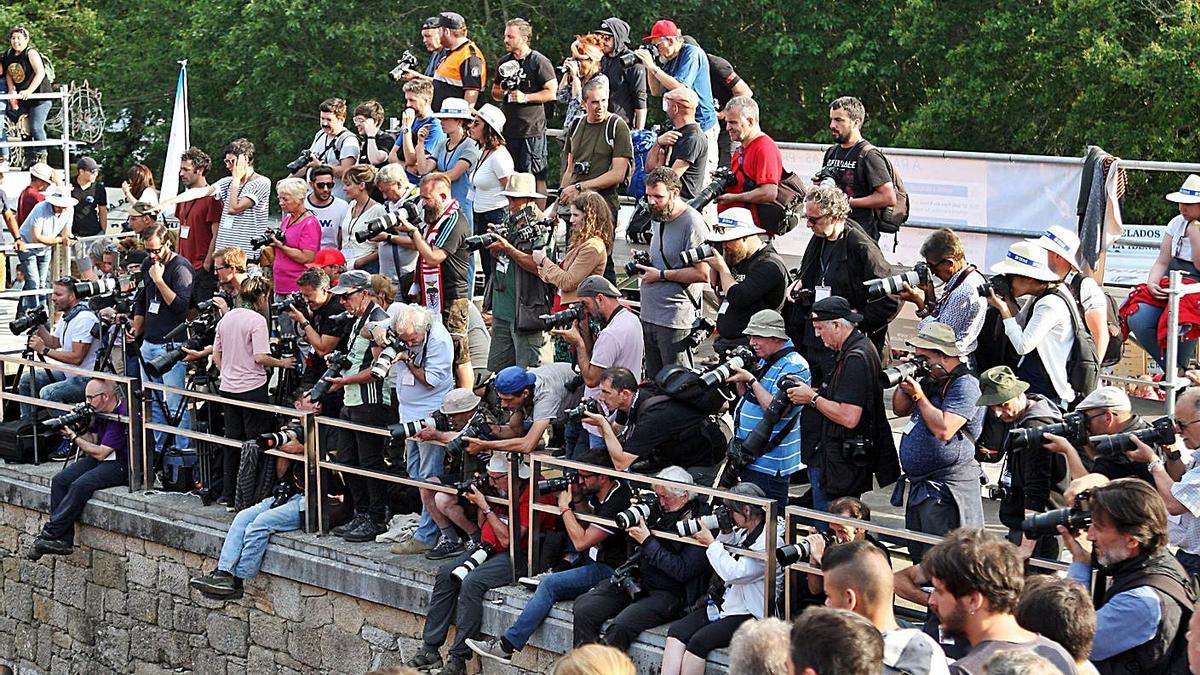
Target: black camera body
[[587, 405], [407, 61], [79, 419], [202, 331], [741, 453], [1073, 428], [337, 363], [702, 329], [722, 179], [644, 509], [1160, 432], [563, 319], [626, 578], [300, 162], [998, 283], [557, 484], [286, 346], [387, 357], [916, 368], [270, 233], [826, 173], [801, 551], [637, 257], [30, 320], [1075, 518], [477, 427], [409, 211], [628, 59], [294, 300]]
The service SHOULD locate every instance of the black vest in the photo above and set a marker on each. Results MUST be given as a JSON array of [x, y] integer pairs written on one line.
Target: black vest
[[1166, 652]]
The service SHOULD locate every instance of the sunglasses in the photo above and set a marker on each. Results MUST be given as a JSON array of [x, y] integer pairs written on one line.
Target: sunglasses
[[156, 250], [323, 186]]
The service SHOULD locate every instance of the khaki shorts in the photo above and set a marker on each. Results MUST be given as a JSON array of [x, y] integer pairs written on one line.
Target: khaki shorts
[[456, 323]]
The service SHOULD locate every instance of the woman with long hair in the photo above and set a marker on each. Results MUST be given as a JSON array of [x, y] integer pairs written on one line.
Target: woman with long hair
[[489, 178], [588, 247], [360, 255], [25, 74], [139, 185], [581, 66]]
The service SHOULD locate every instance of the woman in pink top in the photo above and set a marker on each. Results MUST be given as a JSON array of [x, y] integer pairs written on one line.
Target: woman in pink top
[[301, 235]]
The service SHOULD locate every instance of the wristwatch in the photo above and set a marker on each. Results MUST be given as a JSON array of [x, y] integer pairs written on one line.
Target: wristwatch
[[305, 325], [1156, 462]]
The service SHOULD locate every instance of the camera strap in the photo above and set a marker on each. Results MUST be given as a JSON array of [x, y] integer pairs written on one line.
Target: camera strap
[[959, 279], [696, 302]]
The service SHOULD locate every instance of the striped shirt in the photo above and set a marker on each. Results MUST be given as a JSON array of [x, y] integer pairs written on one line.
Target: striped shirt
[[1185, 529], [238, 230], [784, 458]]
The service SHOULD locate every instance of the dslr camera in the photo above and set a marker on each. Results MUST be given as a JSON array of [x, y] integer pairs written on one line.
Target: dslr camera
[[625, 577], [916, 368], [408, 211], [738, 357], [1160, 432], [644, 509], [479, 555], [1073, 428], [510, 76], [918, 275], [302, 161], [998, 283], [587, 405], [721, 518], [276, 439], [723, 179], [265, 240], [477, 427], [702, 329], [79, 419], [30, 320], [202, 329], [407, 61], [557, 484], [637, 257], [294, 300], [337, 363], [563, 319], [801, 551], [827, 173], [694, 255], [1076, 517]]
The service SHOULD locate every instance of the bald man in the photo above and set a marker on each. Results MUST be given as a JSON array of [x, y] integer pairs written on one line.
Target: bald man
[[858, 578], [684, 148]]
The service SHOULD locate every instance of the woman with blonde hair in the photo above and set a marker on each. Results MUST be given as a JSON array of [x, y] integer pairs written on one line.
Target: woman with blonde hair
[[360, 255], [588, 247], [581, 66], [594, 660]]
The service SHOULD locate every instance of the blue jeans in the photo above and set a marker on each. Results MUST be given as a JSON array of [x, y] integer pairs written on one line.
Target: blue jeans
[[38, 111], [425, 461], [52, 386], [35, 265], [566, 585], [576, 439], [246, 544], [176, 377], [1144, 325]]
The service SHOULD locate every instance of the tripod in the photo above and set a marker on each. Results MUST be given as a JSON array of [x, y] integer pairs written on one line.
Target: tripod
[[27, 354]]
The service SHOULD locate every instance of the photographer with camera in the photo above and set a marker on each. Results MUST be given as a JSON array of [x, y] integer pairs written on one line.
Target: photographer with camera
[[937, 446], [71, 343], [747, 273], [298, 245], [333, 145], [1062, 248], [684, 65], [229, 264], [961, 306], [425, 375], [670, 574], [241, 350], [683, 149], [847, 432], [1143, 613], [757, 164], [1034, 478], [103, 462], [736, 594], [524, 83], [537, 396], [366, 400], [47, 225], [461, 583], [857, 167], [1109, 413], [625, 72], [397, 255], [517, 295], [598, 150], [161, 306], [245, 193], [839, 260], [601, 547], [671, 291]]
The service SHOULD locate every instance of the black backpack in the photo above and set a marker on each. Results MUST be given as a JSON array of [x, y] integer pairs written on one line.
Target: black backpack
[[1112, 354], [1083, 365], [888, 219]]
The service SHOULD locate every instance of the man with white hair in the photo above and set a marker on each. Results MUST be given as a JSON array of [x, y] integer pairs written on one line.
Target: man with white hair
[[424, 376], [684, 148], [671, 574], [757, 163], [1062, 247]]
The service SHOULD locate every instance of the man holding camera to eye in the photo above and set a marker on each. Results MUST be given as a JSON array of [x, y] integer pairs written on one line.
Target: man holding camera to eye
[[684, 65], [937, 446], [653, 425], [459, 407], [315, 320], [961, 306], [1107, 410], [524, 106], [1143, 614], [72, 343], [602, 548], [747, 273], [102, 462], [538, 396], [683, 149], [625, 72]]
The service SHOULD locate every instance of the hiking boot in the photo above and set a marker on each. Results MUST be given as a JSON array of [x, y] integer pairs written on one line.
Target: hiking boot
[[413, 546], [445, 549], [355, 522], [220, 585], [425, 660], [42, 546], [490, 649], [367, 530]]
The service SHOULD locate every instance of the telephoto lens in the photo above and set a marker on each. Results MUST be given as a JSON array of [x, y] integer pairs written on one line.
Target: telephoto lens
[[720, 519], [1161, 432], [80, 416], [1047, 523], [275, 439], [476, 242], [337, 362], [30, 320], [738, 358], [555, 484], [916, 367], [1073, 428], [694, 255], [87, 289], [387, 357], [632, 516], [722, 179], [477, 558], [919, 274], [563, 319], [409, 428], [801, 551]]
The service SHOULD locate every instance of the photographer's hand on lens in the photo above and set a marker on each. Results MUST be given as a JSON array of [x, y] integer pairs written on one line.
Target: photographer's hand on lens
[[912, 388], [1074, 544], [704, 536], [569, 334], [500, 245], [801, 394], [740, 375], [639, 532], [335, 383], [476, 446], [1144, 453], [816, 544], [913, 295], [566, 497], [999, 303], [1056, 443]]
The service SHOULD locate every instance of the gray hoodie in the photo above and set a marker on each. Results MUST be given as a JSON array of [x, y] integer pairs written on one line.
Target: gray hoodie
[[627, 84]]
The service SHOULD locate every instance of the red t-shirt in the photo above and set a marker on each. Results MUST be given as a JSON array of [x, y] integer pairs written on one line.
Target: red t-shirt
[[28, 199], [196, 218], [546, 521], [761, 161]]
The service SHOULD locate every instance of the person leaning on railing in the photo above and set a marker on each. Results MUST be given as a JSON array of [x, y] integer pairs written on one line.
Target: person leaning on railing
[[48, 224], [102, 462]]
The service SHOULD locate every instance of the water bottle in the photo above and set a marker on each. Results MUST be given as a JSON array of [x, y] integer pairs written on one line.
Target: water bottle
[[713, 613]]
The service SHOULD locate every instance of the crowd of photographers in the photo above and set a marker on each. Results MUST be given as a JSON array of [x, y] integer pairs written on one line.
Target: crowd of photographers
[[362, 306]]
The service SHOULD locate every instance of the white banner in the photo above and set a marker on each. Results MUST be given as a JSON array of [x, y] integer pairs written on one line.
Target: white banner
[[178, 142]]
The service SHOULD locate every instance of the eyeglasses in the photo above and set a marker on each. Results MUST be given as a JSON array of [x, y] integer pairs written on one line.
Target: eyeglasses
[[218, 268], [88, 397], [814, 221], [156, 250], [323, 186], [1182, 426]]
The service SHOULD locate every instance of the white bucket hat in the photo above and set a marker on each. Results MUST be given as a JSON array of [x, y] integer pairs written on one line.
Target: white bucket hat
[[493, 117], [61, 199], [522, 185], [1028, 260], [498, 463], [42, 171], [1060, 240], [734, 223], [1188, 193], [455, 109]]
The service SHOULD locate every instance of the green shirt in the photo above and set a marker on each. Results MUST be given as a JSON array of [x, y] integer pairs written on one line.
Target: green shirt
[[595, 145], [504, 289]]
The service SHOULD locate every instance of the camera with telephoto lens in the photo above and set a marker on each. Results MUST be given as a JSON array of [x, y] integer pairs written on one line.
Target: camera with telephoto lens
[[741, 453], [694, 255], [625, 577], [1160, 432], [337, 363], [408, 211], [998, 283], [510, 75], [477, 481], [587, 405], [720, 519], [411, 427], [87, 289], [202, 329], [302, 161], [1073, 428], [407, 61], [265, 240], [294, 300], [277, 439], [79, 418], [479, 554], [559, 484], [801, 551], [477, 427], [916, 368], [738, 357], [478, 242], [644, 509], [919, 274], [30, 320], [702, 329], [722, 179], [1075, 518], [563, 319], [628, 59], [827, 173], [637, 258], [387, 357]]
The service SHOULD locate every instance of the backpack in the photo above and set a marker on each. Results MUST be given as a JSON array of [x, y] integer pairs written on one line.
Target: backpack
[[610, 136], [1083, 364], [643, 142], [1112, 354], [889, 219]]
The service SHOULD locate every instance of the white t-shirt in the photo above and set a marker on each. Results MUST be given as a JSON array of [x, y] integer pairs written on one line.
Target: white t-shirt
[[79, 329], [485, 180], [1048, 330], [330, 216], [396, 261], [350, 247], [237, 231], [1180, 246], [1091, 296], [332, 150]]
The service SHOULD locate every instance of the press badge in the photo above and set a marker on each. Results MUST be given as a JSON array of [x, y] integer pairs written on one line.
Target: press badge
[[912, 424], [502, 263], [407, 378], [152, 307], [821, 293], [183, 232], [724, 306]]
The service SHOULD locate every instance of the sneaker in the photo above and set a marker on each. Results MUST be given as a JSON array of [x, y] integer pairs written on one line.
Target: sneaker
[[413, 546], [219, 584], [366, 531], [533, 582], [490, 649], [445, 549], [355, 522], [454, 666], [62, 453], [425, 660]]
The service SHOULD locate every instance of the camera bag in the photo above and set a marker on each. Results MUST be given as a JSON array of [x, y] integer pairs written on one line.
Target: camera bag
[[16, 441]]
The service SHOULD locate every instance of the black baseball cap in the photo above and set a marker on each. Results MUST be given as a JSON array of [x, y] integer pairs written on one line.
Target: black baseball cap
[[835, 307], [452, 20]]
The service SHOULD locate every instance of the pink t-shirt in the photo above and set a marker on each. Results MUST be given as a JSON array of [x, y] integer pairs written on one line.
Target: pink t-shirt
[[306, 235], [241, 334]]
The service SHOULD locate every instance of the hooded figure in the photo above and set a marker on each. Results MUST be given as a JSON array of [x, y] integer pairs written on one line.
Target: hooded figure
[[626, 83]]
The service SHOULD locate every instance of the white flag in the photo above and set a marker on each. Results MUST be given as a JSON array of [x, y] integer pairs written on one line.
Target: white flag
[[179, 141]]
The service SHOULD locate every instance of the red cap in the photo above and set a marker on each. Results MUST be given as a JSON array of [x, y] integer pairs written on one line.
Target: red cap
[[328, 256], [663, 28]]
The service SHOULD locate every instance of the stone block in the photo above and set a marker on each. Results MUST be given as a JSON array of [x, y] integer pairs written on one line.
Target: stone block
[[285, 599], [103, 540], [61, 640], [208, 662], [268, 631], [26, 642], [112, 647], [108, 569], [45, 646], [318, 611], [18, 601], [394, 621], [81, 627], [344, 652], [145, 643], [260, 661], [115, 600], [166, 613], [226, 634], [189, 618], [70, 584], [9, 540], [94, 600], [142, 668], [173, 578], [378, 637], [43, 608], [135, 545], [303, 648], [141, 570], [143, 606], [36, 574], [347, 613], [176, 652], [10, 566]]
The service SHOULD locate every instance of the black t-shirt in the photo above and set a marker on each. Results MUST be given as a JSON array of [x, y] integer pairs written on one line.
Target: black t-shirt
[[659, 427], [852, 381], [614, 550], [160, 317], [723, 78], [526, 120], [761, 281], [626, 87], [383, 142], [858, 182], [19, 68], [87, 216], [692, 147]]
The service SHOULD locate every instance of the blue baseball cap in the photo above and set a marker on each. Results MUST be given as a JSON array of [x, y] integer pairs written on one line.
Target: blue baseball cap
[[513, 379]]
